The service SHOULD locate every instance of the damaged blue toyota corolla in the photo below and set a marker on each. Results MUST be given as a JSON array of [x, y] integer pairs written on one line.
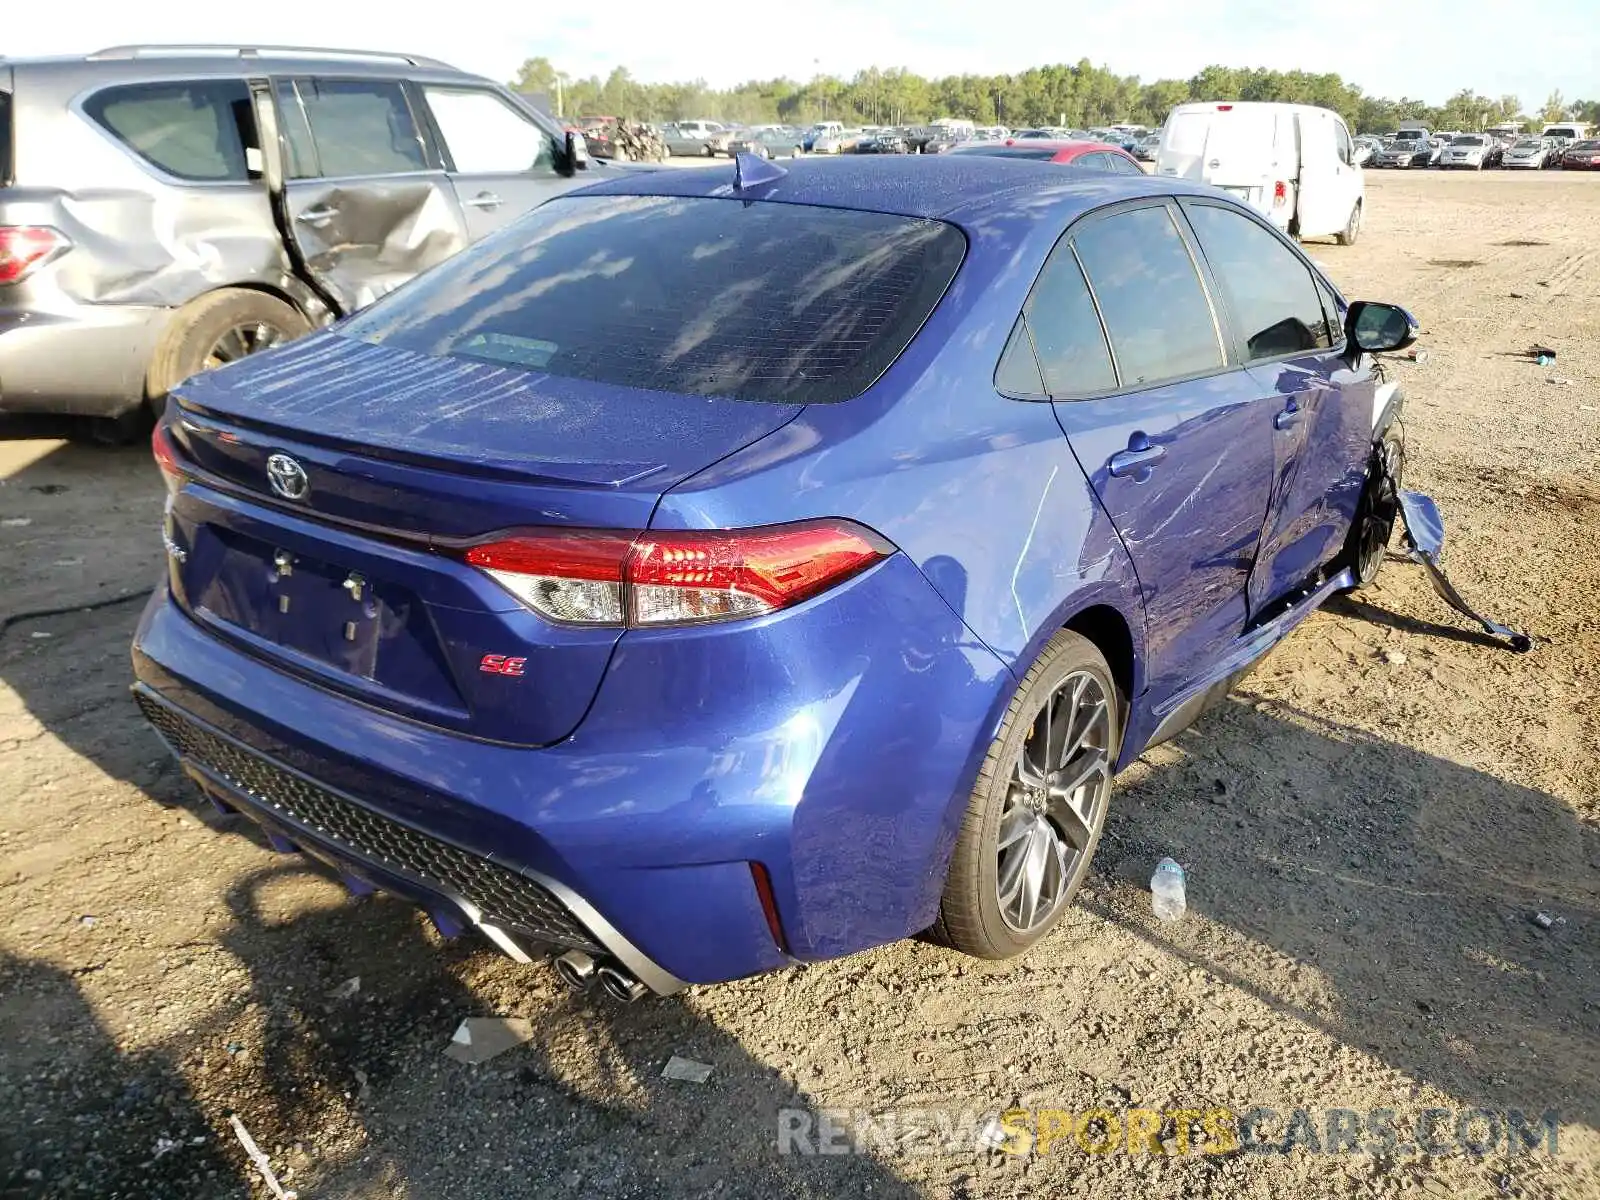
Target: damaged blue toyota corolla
[[715, 570]]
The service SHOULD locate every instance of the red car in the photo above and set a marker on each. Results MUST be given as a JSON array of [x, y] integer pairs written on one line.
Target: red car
[[1093, 156], [1581, 156]]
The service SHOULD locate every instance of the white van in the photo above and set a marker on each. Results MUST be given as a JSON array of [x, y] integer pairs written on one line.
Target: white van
[[1292, 162]]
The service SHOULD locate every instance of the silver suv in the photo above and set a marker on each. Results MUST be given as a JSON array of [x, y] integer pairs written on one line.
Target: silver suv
[[164, 209]]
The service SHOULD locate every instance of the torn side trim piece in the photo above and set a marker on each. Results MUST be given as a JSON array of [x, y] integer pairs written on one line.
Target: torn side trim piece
[[1425, 540]]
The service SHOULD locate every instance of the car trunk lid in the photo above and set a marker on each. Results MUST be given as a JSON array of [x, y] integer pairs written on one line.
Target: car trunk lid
[[357, 582]]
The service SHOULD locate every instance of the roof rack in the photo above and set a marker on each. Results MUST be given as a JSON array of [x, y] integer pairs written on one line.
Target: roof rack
[[195, 49]]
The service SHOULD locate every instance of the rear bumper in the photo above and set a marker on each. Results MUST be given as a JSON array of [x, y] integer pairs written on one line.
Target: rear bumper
[[828, 744], [90, 361]]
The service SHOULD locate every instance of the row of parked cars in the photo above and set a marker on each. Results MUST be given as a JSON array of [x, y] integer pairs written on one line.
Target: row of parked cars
[[1557, 146]]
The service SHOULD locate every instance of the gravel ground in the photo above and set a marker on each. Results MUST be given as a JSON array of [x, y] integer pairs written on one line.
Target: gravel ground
[[1368, 823]]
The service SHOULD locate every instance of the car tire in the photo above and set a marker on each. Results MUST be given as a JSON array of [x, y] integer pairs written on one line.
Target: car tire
[[197, 337], [1013, 825], [1366, 545], [1352, 227]]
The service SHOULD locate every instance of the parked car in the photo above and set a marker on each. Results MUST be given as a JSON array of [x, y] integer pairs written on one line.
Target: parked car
[[842, 141], [820, 129], [1581, 156], [886, 141], [786, 632], [1473, 151], [1530, 154], [1408, 148], [1294, 163], [1365, 148], [1092, 156], [767, 143], [692, 138], [165, 211], [1145, 151], [1035, 134]]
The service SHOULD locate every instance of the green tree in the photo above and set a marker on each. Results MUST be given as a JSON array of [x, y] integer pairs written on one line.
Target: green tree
[[1555, 108]]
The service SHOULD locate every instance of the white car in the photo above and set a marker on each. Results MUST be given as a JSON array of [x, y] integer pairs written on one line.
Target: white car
[[1294, 163]]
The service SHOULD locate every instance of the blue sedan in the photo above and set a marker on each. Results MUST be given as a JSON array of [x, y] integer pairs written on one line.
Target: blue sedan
[[715, 570]]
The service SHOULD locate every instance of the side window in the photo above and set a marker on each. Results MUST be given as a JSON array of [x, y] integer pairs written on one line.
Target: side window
[[484, 135], [1091, 162], [294, 132], [1330, 311], [1065, 330], [1347, 153], [361, 127], [1151, 297], [1269, 290], [201, 130], [1121, 166], [1018, 373]]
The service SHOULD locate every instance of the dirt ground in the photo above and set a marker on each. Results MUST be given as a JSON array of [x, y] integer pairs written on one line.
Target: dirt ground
[[1369, 824]]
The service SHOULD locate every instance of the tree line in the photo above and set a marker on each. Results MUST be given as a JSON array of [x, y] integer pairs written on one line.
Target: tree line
[[1075, 95]]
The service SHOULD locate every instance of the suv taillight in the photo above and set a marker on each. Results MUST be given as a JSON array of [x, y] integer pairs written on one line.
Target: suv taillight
[[25, 247], [675, 577], [1280, 194]]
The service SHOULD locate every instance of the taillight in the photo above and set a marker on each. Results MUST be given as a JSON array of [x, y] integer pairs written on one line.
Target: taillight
[[26, 247], [166, 457], [675, 577], [1280, 194]]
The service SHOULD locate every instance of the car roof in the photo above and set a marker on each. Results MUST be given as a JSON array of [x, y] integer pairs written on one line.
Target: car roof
[[963, 189], [138, 63]]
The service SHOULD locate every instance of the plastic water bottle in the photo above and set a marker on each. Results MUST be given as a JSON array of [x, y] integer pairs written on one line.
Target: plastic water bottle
[[1166, 890]]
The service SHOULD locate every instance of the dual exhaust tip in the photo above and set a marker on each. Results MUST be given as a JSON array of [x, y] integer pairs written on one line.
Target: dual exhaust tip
[[579, 971]]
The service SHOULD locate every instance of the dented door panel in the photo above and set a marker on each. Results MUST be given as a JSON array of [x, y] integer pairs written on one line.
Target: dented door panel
[[362, 238]]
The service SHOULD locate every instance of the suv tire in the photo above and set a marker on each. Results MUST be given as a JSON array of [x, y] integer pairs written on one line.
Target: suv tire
[[217, 328]]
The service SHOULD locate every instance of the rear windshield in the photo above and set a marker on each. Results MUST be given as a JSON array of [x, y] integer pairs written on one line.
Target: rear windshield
[[1467, 141], [5, 139], [709, 297], [1565, 131], [1408, 135]]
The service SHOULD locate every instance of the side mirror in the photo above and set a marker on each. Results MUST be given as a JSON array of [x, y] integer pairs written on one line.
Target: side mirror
[[1378, 327], [577, 152]]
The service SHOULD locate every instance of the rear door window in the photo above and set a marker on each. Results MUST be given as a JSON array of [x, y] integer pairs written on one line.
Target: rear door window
[[712, 297], [198, 130], [360, 127], [1155, 308], [483, 135], [1064, 332], [1269, 291]]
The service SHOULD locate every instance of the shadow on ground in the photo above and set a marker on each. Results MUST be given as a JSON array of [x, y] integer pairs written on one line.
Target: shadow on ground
[[1408, 882]]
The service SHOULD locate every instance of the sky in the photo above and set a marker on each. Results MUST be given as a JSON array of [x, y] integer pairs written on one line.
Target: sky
[[1426, 50]]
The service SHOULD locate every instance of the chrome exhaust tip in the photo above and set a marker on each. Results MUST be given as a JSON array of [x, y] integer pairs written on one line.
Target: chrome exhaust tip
[[621, 986], [577, 969]]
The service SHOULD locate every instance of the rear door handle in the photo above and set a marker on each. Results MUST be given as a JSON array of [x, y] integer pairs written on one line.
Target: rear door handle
[[485, 200], [1136, 461], [318, 216]]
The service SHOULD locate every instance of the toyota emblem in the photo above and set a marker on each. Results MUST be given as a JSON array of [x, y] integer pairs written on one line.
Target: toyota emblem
[[287, 477]]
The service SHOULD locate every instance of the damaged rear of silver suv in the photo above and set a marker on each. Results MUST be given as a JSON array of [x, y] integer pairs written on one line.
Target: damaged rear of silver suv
[[164, 210]]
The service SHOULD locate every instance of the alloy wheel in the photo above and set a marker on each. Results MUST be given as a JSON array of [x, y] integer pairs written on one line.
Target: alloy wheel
[[241, 341], [1055, 803], [1383, 508]]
